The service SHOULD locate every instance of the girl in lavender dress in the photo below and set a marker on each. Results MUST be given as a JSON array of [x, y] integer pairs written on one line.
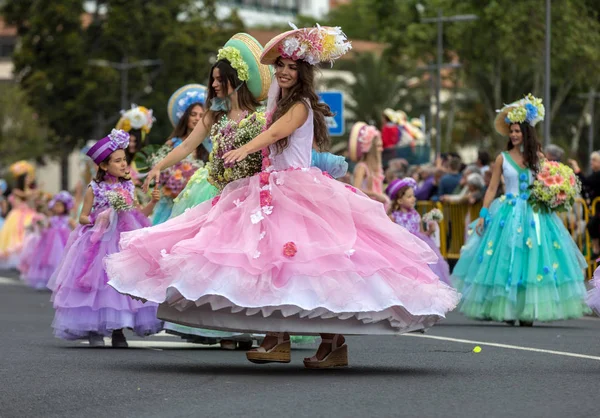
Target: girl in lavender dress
[[402, 194], [86, 307], [49, 249]]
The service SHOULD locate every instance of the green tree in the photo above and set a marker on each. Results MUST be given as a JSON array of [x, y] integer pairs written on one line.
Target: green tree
[[22, 136], [80, 101]]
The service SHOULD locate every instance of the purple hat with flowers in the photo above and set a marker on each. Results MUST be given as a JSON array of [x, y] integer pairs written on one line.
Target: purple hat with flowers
[[65, 198], [117, 139], [396, 185]]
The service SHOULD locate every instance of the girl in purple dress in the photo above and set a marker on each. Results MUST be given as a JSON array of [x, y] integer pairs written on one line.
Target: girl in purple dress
[[49, 249], [402, 194], [86, 307]]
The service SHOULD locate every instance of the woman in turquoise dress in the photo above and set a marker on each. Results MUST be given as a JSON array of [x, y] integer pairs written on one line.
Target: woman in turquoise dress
[[519, 265], [185, 109]]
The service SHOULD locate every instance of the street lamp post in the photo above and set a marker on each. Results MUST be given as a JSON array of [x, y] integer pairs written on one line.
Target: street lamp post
[[439, 20], [547, 135], [591, 96], [431, 69], [123, 67]]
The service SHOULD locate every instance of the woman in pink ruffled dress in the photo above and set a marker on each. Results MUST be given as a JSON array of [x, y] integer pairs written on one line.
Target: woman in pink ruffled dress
[[289, 250]]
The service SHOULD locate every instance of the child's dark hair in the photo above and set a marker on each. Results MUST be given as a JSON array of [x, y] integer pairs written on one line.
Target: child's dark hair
[[399, 195], [138, 134], [101, 173]]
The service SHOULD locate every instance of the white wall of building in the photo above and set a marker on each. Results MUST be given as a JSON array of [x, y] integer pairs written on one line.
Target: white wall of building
[[272, 12]]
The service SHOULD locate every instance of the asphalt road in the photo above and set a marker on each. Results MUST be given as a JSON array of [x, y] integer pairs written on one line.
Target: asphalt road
[[550, 370]]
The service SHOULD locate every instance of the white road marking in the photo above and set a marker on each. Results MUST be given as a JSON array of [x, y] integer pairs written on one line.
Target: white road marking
[[155, 345], [9, 281], [507, 346]]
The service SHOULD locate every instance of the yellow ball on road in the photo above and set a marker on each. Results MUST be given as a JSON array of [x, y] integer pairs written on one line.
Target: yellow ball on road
[[477, 349]]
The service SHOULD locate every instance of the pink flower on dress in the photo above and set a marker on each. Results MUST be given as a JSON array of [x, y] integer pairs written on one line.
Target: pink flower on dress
[[266, 163], [351, 188], [264, 178], [216, 200], [264, 152], [290, 249], [265, 198], [326, 174]]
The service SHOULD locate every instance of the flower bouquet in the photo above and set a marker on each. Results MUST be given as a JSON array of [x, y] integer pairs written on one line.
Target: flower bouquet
[[554, 189], [174, 179], [227, 135], [434, 215], [120, 200]]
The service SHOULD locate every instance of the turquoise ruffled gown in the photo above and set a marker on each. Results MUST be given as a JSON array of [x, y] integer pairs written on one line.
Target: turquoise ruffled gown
[[525, 266], [199, 190]]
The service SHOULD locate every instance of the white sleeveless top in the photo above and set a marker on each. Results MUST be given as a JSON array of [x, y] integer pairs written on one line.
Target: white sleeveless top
[[514, 176], [299, 150]]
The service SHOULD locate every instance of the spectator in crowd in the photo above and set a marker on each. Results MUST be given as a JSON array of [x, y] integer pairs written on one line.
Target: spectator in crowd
[[451, 180], [554, 153], [483, 161], [476, 186], [390, 133], [591, 190], [428, 188], [396, 169], [464, 194]]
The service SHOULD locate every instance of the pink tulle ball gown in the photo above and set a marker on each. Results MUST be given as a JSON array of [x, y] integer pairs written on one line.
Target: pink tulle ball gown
[[289, 249]]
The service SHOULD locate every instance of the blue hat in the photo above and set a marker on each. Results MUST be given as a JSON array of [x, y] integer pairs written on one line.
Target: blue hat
[[183, 98]]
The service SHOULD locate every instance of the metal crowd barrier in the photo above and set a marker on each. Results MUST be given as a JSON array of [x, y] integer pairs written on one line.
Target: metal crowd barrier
[[453, 229]]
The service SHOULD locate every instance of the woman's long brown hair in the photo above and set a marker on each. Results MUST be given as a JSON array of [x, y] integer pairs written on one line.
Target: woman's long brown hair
[[228, 77], [181, 131], [302, 91], [531, 146]]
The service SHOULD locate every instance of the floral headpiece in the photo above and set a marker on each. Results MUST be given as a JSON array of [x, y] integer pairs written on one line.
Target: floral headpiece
[[234, 56], [361, 139], [396, 185], [191, 97], [527, 110], [117, 139], [65, 198], [21, 167], [313, 45], [138, 117]]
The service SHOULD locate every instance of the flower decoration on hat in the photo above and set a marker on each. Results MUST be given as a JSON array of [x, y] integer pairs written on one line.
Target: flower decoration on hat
[[361, 139], [395, 186], [138, 117], [191, 97], [313, 45], [117, 139], [527, 110], [65, 198], [21, 167], [234, 56]]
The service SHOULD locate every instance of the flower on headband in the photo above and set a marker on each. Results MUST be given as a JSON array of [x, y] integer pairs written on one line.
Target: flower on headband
[[367, 136], [65, 198], [315, 45], [138, 117], [191, 97], [120, 138], [529, 109], [234, 56], [517, 115]]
